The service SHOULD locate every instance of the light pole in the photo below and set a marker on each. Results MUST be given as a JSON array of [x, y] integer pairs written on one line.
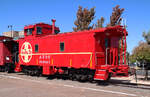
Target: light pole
[[148, 39], [10, 26]]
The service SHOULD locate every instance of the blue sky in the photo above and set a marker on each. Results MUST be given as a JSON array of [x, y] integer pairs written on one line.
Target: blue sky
[[22, 12]]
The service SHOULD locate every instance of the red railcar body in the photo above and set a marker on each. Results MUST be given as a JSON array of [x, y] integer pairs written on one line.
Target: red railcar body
[[95, 54], [6, 52]]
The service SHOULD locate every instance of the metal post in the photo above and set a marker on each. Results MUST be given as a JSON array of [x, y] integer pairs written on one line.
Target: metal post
[[135, 73], [125, 44], [10, 26], [106, 55], [121, 52], [53, 26]]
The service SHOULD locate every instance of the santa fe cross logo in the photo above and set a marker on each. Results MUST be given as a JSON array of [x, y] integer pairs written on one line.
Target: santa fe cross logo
[[26, 52]]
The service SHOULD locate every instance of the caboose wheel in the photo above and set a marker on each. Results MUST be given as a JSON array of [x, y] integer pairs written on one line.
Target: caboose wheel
[[70, 76], [79, 77], [10, 70], [90, 78], [74, 77], [83, 78]]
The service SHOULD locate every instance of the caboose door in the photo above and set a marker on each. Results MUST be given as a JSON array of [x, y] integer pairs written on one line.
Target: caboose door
[[107, 51], [100, 51], [113, 52]]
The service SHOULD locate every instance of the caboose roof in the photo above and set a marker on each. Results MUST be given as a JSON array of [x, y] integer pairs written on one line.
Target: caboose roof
[[111, 30], [38, 24], [5, 38], [116, 30]]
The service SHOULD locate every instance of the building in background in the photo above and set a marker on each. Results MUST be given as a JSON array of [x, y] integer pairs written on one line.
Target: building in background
[[21, 34], [14, 34]]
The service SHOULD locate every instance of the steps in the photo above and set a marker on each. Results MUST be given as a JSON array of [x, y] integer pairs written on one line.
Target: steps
[[17, 69], [101, 74]]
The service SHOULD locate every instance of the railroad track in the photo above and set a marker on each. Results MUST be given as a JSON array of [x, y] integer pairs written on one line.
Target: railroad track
[[130, 85]]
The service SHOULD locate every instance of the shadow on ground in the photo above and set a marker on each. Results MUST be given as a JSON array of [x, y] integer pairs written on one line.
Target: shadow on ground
[[114, 82], [126, 83]]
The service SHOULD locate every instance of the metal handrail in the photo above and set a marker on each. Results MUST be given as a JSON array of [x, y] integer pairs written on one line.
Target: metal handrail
[[106, 56]]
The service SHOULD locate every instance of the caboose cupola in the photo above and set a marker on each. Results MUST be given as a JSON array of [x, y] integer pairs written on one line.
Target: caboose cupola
[[41, 29]]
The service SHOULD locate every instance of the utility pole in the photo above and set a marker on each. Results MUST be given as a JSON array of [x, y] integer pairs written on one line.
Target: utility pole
[[10, 26]]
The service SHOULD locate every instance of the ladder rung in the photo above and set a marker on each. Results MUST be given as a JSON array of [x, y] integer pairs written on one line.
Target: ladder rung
[[100, 74], [100, 69], [103, 65]]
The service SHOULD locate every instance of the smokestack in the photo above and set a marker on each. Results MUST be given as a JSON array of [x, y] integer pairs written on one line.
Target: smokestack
[[53, 26]]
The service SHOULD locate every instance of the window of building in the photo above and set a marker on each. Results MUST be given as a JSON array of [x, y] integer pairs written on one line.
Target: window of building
[[29, 31], [62, 46], [39, 30], [36, 48]]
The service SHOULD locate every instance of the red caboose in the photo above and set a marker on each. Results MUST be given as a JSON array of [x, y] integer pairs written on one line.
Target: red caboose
[[6, 54], [84, 55]]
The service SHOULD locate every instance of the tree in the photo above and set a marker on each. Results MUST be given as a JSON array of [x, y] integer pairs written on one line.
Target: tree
[[84, 18], [147, 37], [141, 53], [100, 23], [115, 18]]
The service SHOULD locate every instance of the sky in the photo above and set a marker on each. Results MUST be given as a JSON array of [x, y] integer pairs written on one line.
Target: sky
[[23, 12]]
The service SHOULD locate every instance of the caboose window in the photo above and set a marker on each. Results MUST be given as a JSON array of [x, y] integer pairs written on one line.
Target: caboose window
[[56, 31], [106, 42], [39, 30], [62, 46], [36, 48], [29, 31]]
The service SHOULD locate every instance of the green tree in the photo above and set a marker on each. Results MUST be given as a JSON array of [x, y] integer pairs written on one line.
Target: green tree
[[84, 19], [141, 53], [147, 37]]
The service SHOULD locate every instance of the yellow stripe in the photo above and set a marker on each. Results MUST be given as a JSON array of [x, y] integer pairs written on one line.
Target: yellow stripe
[[91, 61], [36, 61], [70, 62], [58, 53]]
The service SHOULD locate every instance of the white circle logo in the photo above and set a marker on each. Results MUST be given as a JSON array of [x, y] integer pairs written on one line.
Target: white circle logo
[[26, 52]]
